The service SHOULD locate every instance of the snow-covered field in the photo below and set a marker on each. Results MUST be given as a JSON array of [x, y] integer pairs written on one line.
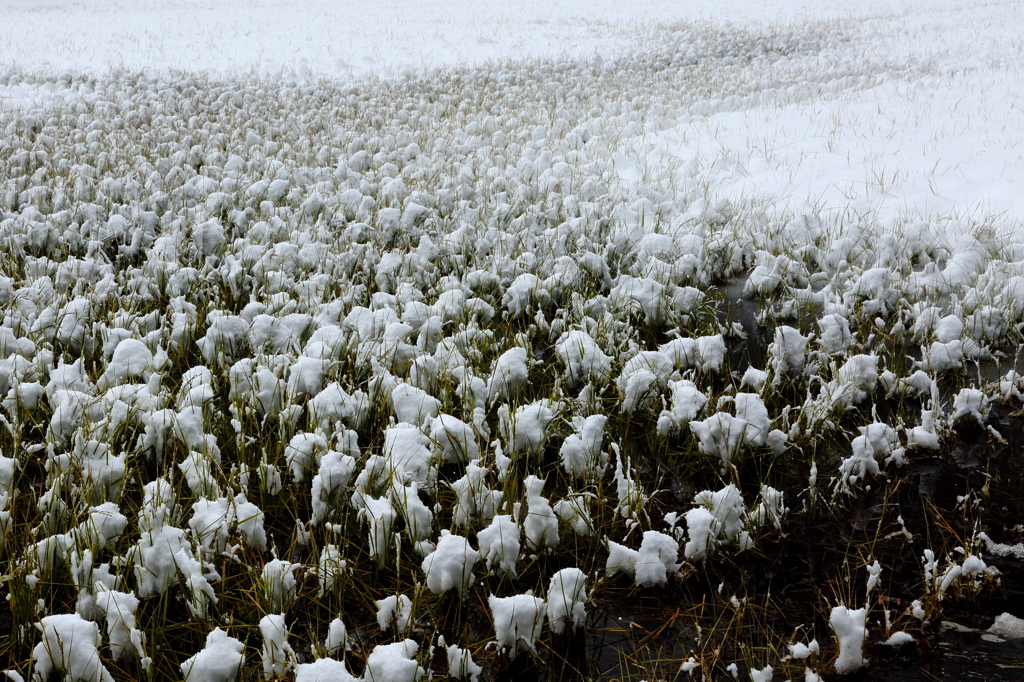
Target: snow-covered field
[[406, 337]]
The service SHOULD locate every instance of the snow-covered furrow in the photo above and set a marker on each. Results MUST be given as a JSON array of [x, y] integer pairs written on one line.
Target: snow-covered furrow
[[263, 338]]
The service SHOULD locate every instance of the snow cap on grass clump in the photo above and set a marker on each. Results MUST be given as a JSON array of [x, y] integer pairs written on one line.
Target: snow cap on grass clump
[[705, 353], [721, 434], [336, 469], [643, 295], [656, 559], [687, 404], [702, 527], [834, 334], [526, 428], [69, 645], [518, 621], [119, 609], [306, 377], [500, 543], [753, 378], [418, 517], [727, 509], [801, 651], [407, 455], [642, 378], [942, 357], [769, 510], [455, 438], [474, 500], [574, 509], [333, 405], [303, 454], [971, 403], [541, 524], [767, 275], [337, 637], [278, 585], [278, 657], [581, 452], [218, 661], [450, 565], [211, 524], [323, 670], [926, 435], [788, 353], [330, 568], [131, 359], [751, 409], [461, 665], [567, 597], [226, 334], [413, 405], [394, 663], [164, 556], [848, 624], [877, 441], [874, 289], [395, 609], [104, 525], [918, 384], [632, 498], [508, 375], [380, 515], [583, 359], [621, 559]]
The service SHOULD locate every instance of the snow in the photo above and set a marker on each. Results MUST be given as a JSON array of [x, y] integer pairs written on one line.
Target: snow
[[218, 661], [583, 359], [69, 645], [278, 656], [462, 217], [475, 501], [848, 625], [508, 375], [450, 565], [581, 452], [395, 609], [525, 428], [323, 670], [801, 651], [656, 559], [336, 637], [566, 600], [455, 438], [119, 610], [687, 404], [718, 519], [540, 524], [380, 515], [394, 662], [461, 665], [1008, 626], [278, 584], [899, 639], [518, 621], [499, 544], [621, 559]]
